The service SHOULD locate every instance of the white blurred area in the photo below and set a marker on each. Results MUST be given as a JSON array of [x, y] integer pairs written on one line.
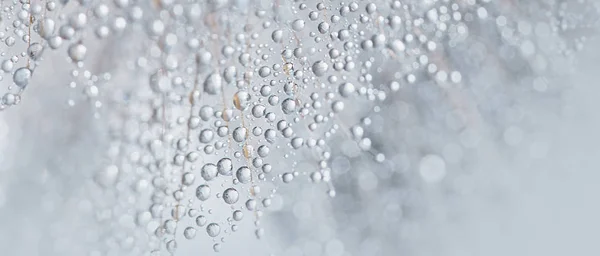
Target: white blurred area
[[543, 200]]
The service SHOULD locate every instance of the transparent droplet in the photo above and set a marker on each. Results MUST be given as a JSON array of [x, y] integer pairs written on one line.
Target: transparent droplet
[[243, 174], [203, 192], [77, 52], [22, 77], [213, 229], [319, 68], [209, 171], [231, 196], [189, 232]]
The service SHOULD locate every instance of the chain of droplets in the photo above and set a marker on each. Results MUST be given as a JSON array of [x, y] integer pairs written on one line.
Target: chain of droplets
[[239, 91]]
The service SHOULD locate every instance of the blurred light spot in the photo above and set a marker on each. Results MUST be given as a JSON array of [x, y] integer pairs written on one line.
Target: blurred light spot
[[432, 168]]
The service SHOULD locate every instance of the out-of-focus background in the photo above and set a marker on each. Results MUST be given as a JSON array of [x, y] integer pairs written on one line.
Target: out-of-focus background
[[476, 169]]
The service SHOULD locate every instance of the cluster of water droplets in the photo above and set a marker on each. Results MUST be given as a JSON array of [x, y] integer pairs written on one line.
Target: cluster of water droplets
[[213, 106]]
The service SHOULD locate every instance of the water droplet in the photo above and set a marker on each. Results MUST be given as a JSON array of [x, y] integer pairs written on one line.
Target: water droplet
[[231, 196], [213, 83], [244, 174], [189, 232], [77, 52], [203, 192], [298, 25], [22, 77], [319, 68], [213, 229], [225, 167], [209, 171]]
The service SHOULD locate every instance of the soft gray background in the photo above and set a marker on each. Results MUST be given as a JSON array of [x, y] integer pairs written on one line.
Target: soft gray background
[[537, 197]]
